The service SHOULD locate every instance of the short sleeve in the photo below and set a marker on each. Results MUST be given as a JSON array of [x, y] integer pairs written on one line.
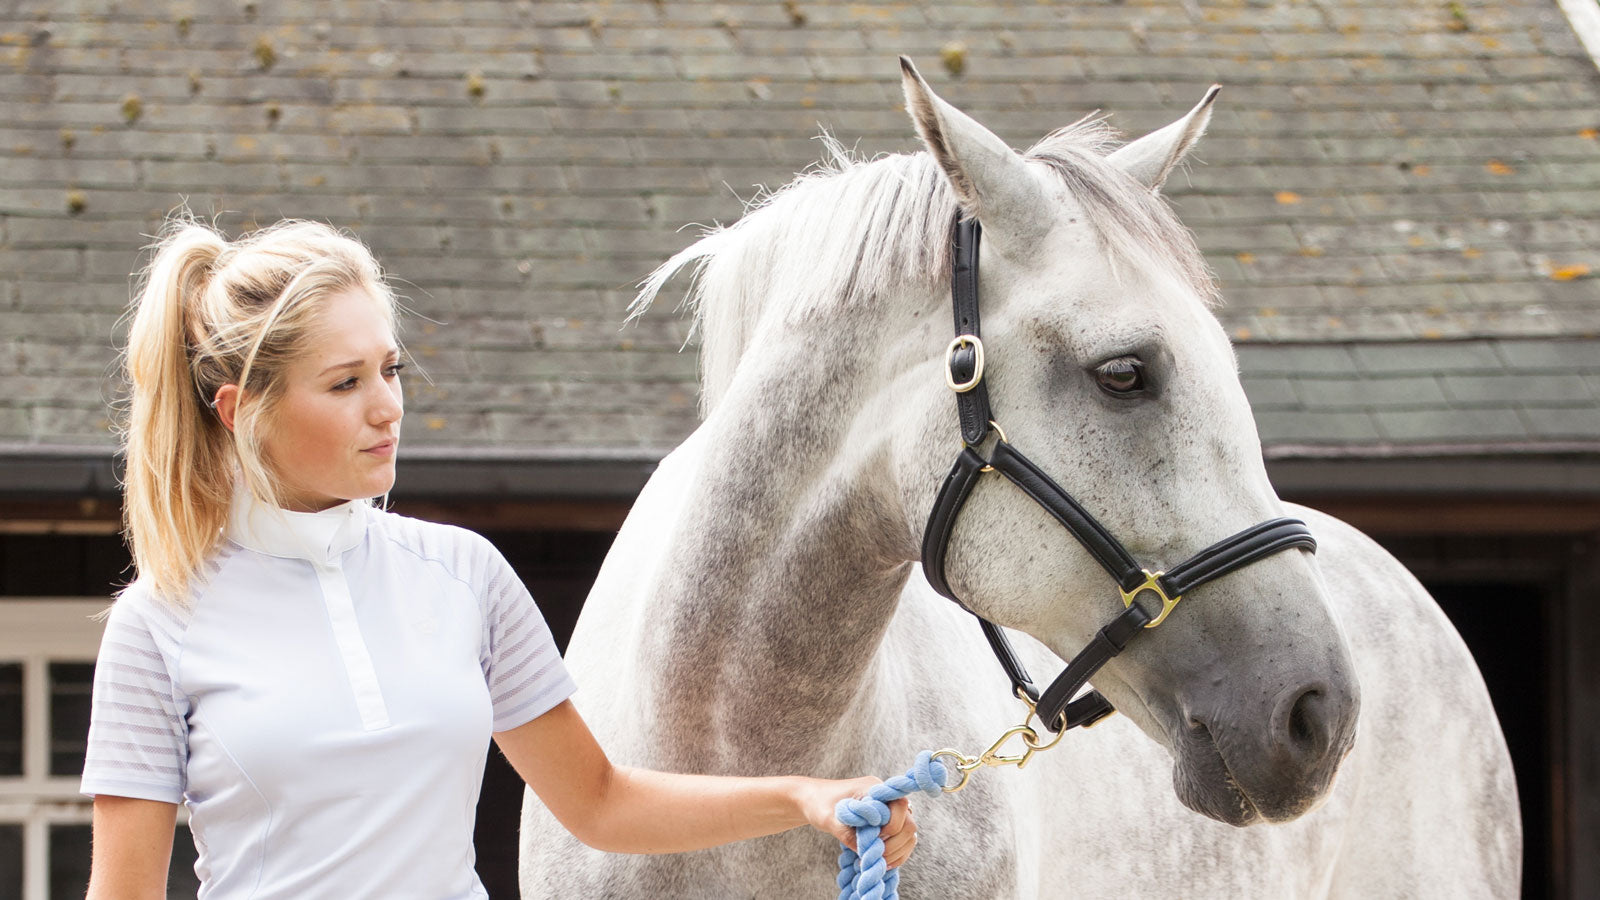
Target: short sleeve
[[138, 731], [521, 663]]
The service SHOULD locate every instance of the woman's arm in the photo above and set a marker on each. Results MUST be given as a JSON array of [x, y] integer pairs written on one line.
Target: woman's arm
[[132, 848], [627, 810]]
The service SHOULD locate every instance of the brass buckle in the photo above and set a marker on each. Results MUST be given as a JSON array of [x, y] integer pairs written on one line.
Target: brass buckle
[[1151, 583], [963, 340]]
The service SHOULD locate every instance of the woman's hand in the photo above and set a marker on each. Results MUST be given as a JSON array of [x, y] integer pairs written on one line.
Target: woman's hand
[[820, 797]]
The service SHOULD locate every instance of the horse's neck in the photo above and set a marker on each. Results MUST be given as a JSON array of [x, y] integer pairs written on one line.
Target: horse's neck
[[780, 580]]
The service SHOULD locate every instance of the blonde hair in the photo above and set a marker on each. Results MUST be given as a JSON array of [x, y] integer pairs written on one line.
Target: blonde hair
[[211, 312]]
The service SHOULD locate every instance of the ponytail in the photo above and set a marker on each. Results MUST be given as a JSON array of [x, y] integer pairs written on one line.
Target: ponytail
[[208, 313], [179, 477]]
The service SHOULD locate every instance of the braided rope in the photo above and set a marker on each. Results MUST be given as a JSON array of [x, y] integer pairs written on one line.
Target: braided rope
[[863, 875]]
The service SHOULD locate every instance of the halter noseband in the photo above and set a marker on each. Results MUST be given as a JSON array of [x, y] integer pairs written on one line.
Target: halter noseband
[[1056, 707]]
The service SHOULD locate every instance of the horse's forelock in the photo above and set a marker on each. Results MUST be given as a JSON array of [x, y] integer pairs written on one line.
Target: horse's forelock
[[1136, 223]]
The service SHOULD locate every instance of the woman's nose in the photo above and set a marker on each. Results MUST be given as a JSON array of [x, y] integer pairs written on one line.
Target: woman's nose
[[387, 406]]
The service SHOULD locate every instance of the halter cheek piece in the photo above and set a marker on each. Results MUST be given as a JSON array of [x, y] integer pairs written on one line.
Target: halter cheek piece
[[1056, 707]]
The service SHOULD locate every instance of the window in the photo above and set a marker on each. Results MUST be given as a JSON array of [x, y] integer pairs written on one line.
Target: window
[[47, 650]]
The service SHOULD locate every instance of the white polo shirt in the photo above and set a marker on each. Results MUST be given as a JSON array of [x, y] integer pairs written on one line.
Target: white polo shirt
[[323, 704]]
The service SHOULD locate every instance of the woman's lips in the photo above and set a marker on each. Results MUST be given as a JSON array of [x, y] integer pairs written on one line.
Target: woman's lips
[[384, 449]]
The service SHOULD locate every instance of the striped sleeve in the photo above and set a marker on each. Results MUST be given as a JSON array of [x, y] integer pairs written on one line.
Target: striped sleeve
[[521, 663], [138, 733]]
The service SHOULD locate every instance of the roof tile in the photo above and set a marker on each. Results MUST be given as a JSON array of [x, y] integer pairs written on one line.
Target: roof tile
[[1563, 389], [1583, 356], [1383, 359], [1572, 424], [1303, 427], [1450, 426], [1369, 393]]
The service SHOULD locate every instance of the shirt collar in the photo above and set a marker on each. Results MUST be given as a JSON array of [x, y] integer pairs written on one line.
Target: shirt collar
[[318, 537]]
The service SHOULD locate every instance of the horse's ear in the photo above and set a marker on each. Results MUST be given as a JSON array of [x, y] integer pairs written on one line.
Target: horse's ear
[[1152, 158], [992, 182]]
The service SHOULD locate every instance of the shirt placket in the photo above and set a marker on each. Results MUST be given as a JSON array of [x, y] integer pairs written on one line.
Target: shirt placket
[[353, 651]]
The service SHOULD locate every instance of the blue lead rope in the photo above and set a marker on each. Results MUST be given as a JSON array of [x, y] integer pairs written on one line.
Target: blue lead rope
[[864, 875]]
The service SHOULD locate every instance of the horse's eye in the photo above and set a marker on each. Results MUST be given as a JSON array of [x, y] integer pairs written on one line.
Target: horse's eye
[[1123, 376]]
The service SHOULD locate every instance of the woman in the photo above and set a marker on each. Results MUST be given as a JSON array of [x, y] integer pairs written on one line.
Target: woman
[[315, 678]]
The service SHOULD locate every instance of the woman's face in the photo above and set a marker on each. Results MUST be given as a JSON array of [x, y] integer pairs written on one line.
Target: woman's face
[[336, 430]]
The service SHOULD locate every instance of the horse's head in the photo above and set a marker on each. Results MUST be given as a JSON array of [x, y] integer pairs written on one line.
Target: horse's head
[[1106, 367]]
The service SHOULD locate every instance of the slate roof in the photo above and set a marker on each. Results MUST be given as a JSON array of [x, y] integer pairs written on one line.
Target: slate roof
[[1425, 173], [1438, 397]]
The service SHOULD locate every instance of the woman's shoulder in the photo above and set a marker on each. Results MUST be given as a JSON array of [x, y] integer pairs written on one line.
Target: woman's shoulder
[[134, 602], [139, 599], [140, 616], [462, 551]]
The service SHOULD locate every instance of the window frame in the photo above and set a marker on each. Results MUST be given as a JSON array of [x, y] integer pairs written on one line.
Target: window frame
[[37, 632]]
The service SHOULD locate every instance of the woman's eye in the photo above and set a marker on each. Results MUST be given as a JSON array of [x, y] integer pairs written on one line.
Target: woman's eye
[[345, 385], [1123, 376], [393, 370]]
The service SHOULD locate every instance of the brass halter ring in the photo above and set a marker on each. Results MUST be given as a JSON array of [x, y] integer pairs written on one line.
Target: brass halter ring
[[1001, 432]]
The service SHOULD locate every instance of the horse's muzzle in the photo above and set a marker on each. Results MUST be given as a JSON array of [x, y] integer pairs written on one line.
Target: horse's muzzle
[[1276, 768]]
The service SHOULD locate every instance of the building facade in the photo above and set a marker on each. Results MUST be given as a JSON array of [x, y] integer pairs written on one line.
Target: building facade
[[1401, 200]]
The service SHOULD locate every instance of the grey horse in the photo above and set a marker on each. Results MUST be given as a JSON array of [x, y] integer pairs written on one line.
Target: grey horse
[[1308, 726]]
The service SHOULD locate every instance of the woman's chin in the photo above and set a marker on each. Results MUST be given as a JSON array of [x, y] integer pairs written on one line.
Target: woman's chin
[[376, 480], [383, 484]]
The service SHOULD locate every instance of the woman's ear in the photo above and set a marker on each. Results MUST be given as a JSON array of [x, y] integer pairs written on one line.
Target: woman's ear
[[226, 403]]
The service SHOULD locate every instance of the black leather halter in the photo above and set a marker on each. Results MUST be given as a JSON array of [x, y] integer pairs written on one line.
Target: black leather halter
[[1057, 707]]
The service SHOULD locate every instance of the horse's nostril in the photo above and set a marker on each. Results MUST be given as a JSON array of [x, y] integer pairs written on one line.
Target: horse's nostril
[[1302, 728], [1302, 724]]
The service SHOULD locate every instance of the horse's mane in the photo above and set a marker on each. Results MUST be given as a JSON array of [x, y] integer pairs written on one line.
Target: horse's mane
[[848, 230]]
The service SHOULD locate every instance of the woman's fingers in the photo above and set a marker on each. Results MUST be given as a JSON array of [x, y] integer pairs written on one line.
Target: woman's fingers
[[897, 849], [900, 834], [899, 815]]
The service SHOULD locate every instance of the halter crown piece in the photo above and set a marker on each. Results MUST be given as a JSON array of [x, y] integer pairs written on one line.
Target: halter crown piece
[[1059, 707]]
